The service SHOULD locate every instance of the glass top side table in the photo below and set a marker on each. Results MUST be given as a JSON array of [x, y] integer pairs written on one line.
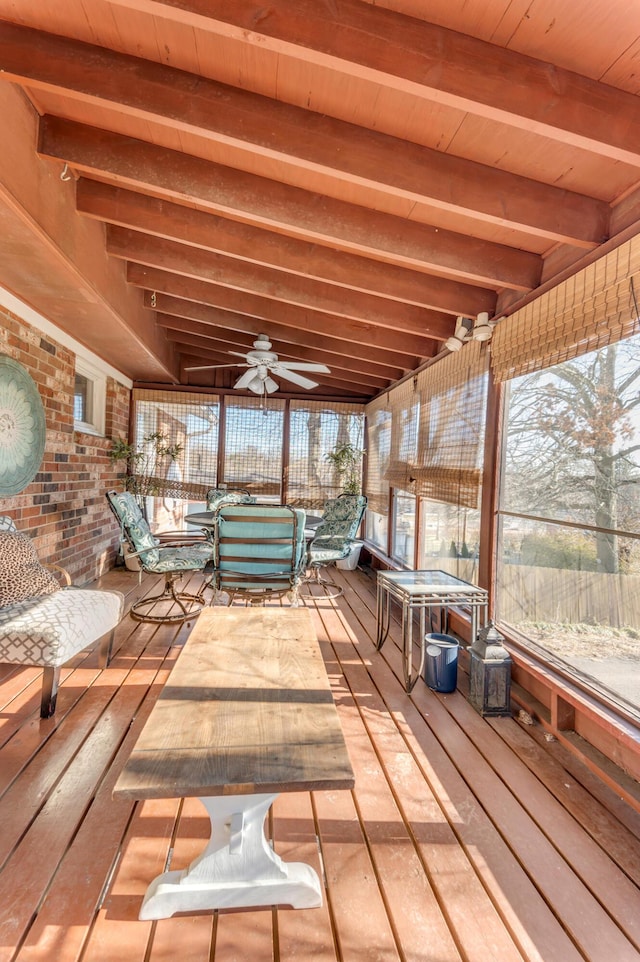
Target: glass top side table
[[424, 591]]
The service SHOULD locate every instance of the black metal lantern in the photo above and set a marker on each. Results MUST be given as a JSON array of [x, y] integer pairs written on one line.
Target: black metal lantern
[[490, 673]]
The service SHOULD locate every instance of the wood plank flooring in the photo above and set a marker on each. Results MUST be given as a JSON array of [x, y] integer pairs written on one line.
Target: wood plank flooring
[[464, 840]]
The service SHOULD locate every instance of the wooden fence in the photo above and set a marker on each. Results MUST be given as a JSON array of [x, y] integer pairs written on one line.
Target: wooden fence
[[576, 597]]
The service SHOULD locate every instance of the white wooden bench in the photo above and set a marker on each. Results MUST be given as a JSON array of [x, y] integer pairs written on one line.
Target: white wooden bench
[[246, 713]]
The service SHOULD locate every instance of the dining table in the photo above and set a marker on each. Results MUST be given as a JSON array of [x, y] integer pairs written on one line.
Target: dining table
[[206, 521]]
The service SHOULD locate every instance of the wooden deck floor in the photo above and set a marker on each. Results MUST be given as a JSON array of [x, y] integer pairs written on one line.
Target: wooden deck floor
[[464, 840]]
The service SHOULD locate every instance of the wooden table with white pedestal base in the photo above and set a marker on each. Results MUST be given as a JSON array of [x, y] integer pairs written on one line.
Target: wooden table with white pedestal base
[[246, 713]]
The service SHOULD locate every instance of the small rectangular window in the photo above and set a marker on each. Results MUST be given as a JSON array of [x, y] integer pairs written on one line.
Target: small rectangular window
[[89, 395], [403, 528], [82, 398]]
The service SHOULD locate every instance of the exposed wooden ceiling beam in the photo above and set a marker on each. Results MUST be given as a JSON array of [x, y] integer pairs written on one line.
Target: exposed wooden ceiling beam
[[172, 221], [234, 307], [189, 261], [299, 138], [428, 61], [298, 212], [204, 315]]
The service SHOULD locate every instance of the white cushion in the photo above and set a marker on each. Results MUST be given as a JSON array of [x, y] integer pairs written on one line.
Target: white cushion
[[51, 629]]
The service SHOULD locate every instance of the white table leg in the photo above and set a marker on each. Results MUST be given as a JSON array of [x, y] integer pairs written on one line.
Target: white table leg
[[237, 869]]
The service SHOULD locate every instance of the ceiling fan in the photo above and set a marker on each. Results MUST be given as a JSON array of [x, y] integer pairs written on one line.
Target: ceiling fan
[[261, 363]]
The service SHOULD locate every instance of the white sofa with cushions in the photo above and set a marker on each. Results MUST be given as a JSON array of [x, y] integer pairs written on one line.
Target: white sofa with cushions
[[42, 623]]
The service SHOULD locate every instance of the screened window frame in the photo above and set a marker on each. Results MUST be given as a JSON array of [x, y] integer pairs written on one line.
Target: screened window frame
[[350, 427]]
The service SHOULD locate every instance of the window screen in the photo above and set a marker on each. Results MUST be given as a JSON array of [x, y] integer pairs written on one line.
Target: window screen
[[378, 454], [189, 420], [315, 429], [253, 444]]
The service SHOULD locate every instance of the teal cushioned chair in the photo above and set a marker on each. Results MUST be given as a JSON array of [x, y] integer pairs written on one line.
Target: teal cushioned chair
[[173, 560], [259, 551], [334, 538], [216, 497]]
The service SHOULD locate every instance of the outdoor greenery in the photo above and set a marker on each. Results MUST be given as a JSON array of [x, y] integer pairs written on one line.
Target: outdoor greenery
[[346, 459], [147, 463]]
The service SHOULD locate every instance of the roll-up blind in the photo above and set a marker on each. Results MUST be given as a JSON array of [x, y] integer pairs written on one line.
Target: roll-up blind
[[315, 427], [188, 419], [596, 307], [379, 416], [448, 464], [253, 444], [404, 402]]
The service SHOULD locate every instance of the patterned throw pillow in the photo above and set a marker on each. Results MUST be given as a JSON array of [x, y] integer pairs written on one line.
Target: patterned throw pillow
[[21, 574]]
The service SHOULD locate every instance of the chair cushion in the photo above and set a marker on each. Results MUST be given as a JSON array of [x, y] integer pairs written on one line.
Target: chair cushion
[[334, 536], [51, 629], [216, 497], [21, 574], [257, 543], [325, 550], [186, 558]]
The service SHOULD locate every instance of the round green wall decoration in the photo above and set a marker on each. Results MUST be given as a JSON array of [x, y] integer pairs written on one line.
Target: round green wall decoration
[[22, 427]]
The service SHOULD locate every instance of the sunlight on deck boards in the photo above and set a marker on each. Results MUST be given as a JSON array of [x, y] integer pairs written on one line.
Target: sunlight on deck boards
[[464, 840]]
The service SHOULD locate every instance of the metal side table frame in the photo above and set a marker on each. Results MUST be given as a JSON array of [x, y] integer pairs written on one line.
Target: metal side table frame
[[424, 591]]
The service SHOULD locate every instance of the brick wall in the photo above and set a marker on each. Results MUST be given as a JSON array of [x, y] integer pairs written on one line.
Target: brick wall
[[64, 509]]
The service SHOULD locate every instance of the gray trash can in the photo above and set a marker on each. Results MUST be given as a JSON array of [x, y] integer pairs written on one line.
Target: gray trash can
[[441, 662]]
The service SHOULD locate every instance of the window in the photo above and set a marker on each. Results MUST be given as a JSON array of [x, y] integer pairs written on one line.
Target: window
[[379, 418], [189, 422], [449, 539], [569, 539], [253, 445], [315, 428], [404, 528], [89, 396]]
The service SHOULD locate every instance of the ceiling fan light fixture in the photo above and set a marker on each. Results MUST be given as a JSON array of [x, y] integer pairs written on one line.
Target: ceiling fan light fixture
[[256, 385]]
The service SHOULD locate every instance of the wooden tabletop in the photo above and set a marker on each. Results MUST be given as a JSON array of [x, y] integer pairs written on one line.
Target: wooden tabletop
[[247, 709]]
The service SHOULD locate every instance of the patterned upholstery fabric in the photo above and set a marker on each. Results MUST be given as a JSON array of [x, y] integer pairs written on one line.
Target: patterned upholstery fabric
[[216, 497], [52, 629], [21, 574], [47, 629], [155, 557], [337, 531]]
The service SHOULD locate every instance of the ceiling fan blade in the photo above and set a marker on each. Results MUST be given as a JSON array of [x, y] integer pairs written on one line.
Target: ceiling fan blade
[[245, 379], [294, 378], [210, 367], [304, 366]]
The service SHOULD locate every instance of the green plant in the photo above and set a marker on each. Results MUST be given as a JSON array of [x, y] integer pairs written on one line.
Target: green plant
[[346, 459], [146, 463]]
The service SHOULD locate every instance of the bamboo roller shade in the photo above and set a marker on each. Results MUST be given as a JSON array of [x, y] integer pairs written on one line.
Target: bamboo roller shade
[[594, 308], [437, 430]]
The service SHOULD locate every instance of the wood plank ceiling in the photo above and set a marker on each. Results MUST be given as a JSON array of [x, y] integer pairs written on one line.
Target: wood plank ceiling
[[346, 177]]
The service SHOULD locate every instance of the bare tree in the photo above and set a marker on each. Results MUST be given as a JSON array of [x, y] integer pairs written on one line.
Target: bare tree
[[573, 445]]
